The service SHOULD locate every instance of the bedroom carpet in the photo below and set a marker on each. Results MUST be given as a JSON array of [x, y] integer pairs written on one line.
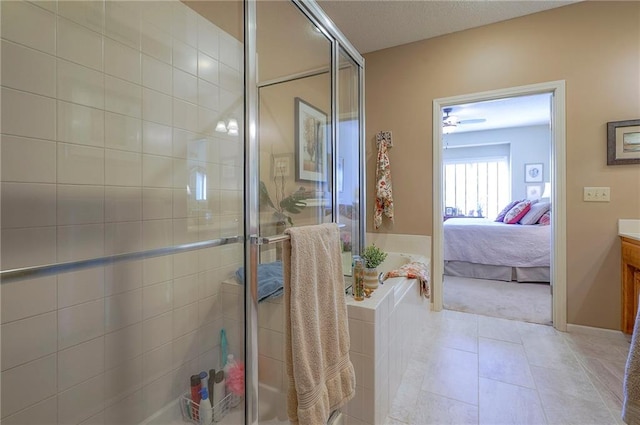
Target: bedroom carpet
[[527, 302]]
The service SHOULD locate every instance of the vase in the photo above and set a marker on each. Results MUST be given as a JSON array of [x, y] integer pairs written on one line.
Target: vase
[[371, 278]]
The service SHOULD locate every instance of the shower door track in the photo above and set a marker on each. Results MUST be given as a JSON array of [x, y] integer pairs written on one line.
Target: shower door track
[[51, 269]]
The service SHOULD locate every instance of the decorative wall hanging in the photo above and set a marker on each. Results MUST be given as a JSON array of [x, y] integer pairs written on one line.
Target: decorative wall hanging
[[623, 142], [311, 143]]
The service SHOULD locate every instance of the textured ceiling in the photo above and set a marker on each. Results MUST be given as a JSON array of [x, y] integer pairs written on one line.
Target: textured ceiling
[[372, 25]]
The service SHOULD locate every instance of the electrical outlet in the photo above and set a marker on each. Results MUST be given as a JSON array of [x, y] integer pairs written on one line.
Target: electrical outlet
[[596, 194]]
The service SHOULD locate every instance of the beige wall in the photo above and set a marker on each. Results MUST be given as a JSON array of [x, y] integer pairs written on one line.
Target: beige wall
[[595, 48]]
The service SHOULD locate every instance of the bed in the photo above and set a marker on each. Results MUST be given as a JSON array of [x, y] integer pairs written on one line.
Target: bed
[[485, 249]]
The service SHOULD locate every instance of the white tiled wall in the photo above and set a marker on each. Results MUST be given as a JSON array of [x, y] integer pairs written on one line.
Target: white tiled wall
[[107, 109], [381, 342]]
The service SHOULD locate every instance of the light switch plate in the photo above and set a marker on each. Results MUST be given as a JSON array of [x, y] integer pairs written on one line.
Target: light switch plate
[[597, 194]]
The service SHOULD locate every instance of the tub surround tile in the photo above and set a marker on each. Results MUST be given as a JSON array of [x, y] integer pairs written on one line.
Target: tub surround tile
[[78, 44], [27, 298], [18, 390], [28, 339], [81, 286], [28, 160], [80, 362], [82, 401], [42, 413], [79, 84], [28, 70], [80, 124], [80, 323], [29, 25], [28, 115]]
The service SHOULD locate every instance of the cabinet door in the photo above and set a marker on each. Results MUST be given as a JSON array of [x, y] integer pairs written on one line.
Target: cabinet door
[[636, 289]]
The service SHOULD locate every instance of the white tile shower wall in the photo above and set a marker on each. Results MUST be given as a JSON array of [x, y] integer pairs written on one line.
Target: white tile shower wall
[[108, 109], [381, 342]]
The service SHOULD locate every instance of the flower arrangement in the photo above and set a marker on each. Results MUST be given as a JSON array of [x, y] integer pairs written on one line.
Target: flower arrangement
[[373, 256]]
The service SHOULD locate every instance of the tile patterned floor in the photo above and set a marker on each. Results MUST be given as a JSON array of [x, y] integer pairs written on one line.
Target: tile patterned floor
[[471, 369]]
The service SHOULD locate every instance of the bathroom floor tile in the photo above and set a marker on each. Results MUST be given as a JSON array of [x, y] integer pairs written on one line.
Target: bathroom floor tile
[[481, 370]]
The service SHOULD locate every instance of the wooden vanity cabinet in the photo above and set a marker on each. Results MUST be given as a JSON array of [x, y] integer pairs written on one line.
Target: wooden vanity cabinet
[[630, 282]]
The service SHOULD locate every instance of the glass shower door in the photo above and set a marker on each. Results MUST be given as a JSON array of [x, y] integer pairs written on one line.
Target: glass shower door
[[122, 213]]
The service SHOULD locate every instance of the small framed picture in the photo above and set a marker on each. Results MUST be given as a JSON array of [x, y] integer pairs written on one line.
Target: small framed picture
[[311, 143], [534, 191], [623, 142], [533, 173]]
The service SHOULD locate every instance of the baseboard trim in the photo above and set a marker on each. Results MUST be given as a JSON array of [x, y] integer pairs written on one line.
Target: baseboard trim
[[598, 332]]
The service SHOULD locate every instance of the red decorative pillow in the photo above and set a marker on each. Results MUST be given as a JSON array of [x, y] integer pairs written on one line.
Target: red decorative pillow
[[506, 209], [545, 220], [516, 213]]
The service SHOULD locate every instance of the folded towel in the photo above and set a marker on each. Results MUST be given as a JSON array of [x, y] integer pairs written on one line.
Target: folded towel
[[320, 372], [631, 384], [414, 270], [270, 280]]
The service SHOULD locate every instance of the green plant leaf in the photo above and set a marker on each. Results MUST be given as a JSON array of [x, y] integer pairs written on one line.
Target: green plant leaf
[[265, 199]]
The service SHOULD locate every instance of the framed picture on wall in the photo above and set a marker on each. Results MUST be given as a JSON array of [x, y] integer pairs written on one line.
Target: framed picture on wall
[[310, 142], [534, 191], [533, 173], [623, 142]]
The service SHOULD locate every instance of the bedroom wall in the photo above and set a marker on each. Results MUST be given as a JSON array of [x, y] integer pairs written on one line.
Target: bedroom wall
[[595, 48], [530, 144]]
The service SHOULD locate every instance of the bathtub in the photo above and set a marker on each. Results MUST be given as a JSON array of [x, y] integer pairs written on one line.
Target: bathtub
[[380, 329]]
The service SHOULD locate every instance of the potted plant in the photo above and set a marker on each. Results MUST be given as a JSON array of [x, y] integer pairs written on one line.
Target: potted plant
[[373, 256]]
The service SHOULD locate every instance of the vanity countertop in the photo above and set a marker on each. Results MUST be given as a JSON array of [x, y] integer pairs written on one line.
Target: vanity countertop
[[629, 229]]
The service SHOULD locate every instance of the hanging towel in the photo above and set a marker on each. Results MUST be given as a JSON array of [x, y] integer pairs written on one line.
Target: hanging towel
[[631, 384], [413, 270], [320, 372], [384, 191]]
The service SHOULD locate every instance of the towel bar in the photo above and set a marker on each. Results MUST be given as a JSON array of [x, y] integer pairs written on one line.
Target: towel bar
[[49, 269], [266, 240]]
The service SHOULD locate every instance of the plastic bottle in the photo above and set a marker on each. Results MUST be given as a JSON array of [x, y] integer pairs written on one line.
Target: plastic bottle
[[231, 361], [195, 396], [358, 279], [206, 410], [219, 393]]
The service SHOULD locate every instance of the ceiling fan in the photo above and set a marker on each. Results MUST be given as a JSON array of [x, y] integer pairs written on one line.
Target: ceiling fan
[[450, 122]]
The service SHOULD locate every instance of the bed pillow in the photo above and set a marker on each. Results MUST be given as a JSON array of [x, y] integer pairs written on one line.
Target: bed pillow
[[506, 209], [516, 213], [535, 212], [545, 220]]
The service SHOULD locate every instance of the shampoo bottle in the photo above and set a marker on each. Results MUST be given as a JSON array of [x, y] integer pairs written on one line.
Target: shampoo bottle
[[206, 410]]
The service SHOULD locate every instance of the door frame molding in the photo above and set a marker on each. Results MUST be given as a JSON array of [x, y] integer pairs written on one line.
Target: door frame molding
[[557, 179]]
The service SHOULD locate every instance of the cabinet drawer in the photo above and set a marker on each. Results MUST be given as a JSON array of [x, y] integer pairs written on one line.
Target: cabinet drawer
[[631, 254]]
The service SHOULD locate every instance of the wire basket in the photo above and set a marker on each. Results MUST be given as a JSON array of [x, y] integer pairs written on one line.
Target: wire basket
[[190, 408]]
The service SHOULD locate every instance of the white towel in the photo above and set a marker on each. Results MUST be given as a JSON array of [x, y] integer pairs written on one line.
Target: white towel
[[631, 385], [321, 375]]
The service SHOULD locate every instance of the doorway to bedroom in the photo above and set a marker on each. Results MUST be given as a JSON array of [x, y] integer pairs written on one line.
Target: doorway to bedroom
[[496, 169]]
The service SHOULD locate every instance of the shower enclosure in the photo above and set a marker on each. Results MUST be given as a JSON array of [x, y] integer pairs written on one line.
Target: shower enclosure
[[148, 151]]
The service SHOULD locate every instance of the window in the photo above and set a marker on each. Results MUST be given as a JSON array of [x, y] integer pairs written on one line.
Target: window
[[477, 187]]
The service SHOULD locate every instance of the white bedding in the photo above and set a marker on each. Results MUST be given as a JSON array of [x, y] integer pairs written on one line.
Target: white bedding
[[482, 241]]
